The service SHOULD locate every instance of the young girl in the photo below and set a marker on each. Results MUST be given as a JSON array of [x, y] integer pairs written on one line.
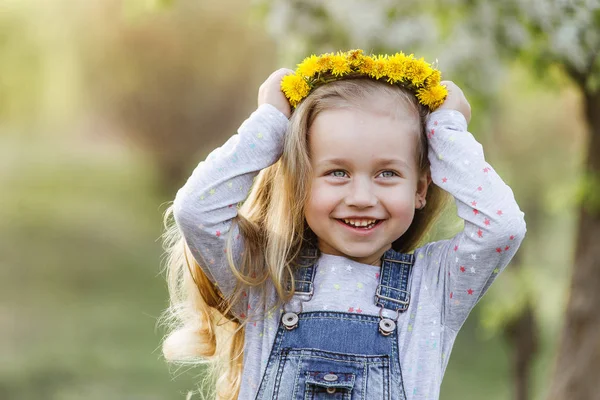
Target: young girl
[[296, 265]]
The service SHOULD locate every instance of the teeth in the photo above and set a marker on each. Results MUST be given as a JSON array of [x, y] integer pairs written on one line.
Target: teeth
[[360, 222]]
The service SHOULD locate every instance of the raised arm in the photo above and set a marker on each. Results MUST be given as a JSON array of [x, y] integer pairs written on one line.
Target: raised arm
[[206, 205], [460, 270]]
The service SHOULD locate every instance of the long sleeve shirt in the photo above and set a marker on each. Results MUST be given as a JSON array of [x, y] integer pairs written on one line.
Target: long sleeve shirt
[[448, 278]]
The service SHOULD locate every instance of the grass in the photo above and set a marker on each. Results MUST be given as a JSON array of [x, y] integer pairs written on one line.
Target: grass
[[79, 265]]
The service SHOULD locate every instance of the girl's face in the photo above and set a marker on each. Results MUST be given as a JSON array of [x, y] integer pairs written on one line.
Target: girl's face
[[364, 170]]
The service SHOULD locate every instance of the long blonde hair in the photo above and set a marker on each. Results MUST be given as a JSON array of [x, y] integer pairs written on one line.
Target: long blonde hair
[[203, 326]]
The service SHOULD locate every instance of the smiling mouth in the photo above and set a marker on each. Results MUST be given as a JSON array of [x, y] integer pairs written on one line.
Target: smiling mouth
[[361, 227]]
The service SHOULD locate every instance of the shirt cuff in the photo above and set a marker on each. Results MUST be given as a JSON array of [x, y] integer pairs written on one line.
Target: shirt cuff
[[447, 117]]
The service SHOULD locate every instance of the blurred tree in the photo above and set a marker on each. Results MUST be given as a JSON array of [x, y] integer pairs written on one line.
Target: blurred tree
[[30, 55], [566, 34], [474, 39], [178, 78]]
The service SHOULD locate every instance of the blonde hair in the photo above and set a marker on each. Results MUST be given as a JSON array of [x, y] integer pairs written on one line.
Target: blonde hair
[[203, 325]]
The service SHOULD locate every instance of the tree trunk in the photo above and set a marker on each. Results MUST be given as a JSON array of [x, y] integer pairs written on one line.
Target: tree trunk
[[521, 333], [577, 372]]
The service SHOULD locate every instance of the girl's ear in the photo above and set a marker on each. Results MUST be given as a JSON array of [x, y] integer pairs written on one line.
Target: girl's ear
[[422, 186]]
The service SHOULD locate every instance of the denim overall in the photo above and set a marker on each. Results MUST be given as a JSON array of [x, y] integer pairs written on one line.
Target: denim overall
[[322, 354]]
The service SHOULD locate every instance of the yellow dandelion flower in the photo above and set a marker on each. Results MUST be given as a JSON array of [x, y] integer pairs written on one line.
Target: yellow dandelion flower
[[432, 97], [308, 67], [339, 65], [434, 79], [366, 66], [295, 88], [355, 58], [396, 67], [417, 71], [379, 67], [324, 62]]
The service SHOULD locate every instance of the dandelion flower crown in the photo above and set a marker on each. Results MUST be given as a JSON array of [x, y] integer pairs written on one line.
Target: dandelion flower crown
[[405, 70]]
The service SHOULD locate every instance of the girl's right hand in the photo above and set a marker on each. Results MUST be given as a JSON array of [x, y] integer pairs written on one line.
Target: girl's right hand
[[270, 92]]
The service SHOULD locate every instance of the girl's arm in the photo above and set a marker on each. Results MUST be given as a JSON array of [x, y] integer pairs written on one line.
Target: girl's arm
[[206, 205], [460, 270]]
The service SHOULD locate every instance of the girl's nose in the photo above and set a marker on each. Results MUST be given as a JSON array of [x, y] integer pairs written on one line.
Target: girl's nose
[[361, 194]]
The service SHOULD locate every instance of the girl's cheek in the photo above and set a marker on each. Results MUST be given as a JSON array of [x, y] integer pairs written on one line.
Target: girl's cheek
[[323, 190], [401, 202]]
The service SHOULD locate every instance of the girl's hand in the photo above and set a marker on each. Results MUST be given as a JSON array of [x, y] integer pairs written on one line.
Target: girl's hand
[[456, 100], [270, 92]]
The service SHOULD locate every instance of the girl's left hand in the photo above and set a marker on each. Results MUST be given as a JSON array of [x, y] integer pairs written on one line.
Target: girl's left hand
[[456, 100]]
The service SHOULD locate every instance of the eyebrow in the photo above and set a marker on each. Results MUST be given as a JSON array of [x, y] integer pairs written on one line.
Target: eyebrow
[[381, 162]]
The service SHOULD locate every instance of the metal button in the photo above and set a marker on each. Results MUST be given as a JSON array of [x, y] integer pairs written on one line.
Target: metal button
[[290, 320], [331, 377], [386, 326], [330, 390]]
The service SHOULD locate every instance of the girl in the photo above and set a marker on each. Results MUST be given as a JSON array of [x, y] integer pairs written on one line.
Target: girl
[[296, 265]]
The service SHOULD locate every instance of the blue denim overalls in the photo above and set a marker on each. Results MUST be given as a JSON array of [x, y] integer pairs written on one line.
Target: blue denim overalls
[[322, 354]]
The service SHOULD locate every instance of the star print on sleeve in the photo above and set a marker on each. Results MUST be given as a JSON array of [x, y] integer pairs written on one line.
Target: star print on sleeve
[[460, 272]]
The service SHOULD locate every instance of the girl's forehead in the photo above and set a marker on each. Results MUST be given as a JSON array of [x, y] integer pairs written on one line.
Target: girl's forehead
[[360, 133], [365, 123], [374, 107]]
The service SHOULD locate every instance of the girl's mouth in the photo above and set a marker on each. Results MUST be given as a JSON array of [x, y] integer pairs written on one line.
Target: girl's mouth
[[364, 229]]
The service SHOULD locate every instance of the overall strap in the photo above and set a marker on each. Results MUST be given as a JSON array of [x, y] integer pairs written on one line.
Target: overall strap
[[305, 271], [393, 291]]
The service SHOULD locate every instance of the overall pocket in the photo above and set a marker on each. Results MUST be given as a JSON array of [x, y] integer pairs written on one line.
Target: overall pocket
[[328, 385], [307, 374]]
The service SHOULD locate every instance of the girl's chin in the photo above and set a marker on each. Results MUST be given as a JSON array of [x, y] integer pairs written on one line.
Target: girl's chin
[[368, 255]]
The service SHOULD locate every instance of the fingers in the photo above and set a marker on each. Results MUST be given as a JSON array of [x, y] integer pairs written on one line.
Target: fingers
[[279, 74], [456, 100], [274, 80], [283, 72], [270, 91], [452, 87]]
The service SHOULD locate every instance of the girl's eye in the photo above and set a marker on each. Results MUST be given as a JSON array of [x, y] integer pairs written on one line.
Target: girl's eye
[[391, 174], [337, 174]]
